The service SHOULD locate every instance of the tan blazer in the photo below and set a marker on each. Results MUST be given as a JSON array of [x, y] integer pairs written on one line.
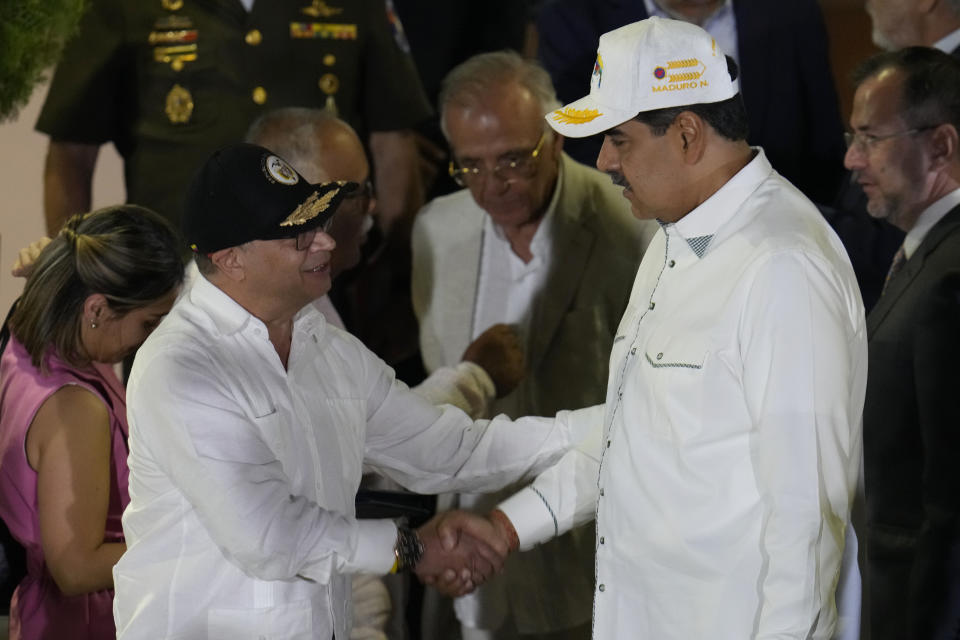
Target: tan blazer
[[598, 249]]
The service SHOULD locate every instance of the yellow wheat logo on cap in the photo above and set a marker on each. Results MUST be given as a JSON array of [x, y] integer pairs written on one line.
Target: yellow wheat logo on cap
[[681, 74], [311, 207], [685, 64], [575, 116]]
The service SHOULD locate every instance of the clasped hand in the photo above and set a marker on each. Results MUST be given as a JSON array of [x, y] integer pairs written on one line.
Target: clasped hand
[[461, 551]]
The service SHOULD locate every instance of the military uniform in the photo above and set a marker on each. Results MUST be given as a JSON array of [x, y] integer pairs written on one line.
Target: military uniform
[[170, 81]]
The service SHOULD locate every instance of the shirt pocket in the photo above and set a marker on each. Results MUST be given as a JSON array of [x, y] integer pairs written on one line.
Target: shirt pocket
[[675, 370], [291, 621]]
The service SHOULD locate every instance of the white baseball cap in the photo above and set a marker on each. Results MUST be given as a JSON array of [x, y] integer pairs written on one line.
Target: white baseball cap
[[652, 64]]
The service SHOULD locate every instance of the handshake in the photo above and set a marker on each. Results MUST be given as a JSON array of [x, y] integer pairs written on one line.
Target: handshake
[[462, 550]]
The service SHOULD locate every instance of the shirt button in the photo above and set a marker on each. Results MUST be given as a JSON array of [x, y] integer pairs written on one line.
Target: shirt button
[[653, 304], [601, 491], [608, 444], [633, 351], [603, 540], [329, 60], [672, 264], [253, 37], [602, 587], [660, 356], [259, 95]]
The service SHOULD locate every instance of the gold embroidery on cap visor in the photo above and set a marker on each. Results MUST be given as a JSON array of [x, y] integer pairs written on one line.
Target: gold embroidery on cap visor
[[311, 207], [569, 115]]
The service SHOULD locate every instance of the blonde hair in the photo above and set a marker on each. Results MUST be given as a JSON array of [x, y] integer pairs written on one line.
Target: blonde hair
[[127, 253]]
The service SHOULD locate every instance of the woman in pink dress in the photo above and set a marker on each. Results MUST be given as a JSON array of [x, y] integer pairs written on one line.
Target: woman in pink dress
[[94, 294]]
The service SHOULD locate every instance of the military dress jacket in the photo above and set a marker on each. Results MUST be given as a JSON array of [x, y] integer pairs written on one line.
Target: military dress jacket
[[170, 81]]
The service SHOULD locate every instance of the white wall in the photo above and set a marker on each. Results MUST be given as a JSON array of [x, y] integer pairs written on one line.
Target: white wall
[[22, 152]]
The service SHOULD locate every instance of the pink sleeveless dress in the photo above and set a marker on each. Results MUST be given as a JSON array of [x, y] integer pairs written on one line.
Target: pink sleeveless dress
[[38, 608]]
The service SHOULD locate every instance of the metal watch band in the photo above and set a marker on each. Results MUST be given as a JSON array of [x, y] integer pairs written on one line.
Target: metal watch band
[[408, 549]]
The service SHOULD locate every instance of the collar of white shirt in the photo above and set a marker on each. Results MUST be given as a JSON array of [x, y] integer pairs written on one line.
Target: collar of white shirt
[[930, 216], [949, 42], [700, 226], [229, 317]]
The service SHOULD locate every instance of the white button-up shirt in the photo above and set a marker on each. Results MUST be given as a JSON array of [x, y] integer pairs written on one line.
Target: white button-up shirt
[[243, 473], [725, 458]]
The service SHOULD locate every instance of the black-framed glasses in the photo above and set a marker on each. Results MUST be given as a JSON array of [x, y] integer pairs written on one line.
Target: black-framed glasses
[[865, 141], [305, 238], [365, 192], [509, 167]]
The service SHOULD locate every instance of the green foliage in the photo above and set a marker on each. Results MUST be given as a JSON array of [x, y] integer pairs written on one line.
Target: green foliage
[[32, 35]]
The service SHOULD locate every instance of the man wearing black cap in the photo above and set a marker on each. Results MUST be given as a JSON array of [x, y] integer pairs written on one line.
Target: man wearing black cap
[[251, 420]]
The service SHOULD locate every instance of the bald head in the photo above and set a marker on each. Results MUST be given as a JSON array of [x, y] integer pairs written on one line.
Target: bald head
[[322, 148], [898, 24]]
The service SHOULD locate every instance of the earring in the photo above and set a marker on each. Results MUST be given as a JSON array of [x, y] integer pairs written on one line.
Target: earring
[[93, 325]]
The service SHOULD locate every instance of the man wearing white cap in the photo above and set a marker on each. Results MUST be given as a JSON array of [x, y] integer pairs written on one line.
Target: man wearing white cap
[[728, 448]]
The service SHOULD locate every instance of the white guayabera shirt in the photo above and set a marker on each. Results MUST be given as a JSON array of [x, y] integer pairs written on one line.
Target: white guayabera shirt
[[724, 461], [243, 473]]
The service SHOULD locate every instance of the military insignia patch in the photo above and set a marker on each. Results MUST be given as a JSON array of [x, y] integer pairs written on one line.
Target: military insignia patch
[[172, 22], [398, 34], [178, 36], [323, 30], [277, 170], [320, 9], [176, 55], [179, 105]]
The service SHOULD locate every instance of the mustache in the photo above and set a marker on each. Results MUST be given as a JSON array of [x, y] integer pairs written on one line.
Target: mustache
[[617, 178]]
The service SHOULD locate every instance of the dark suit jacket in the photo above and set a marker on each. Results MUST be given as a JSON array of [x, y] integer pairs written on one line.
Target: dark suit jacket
[[871, 243], [912, 444], [786, 81]]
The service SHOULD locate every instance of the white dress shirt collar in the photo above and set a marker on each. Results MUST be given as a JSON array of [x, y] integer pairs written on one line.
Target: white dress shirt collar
[[230, 317], [930, 216], [700, 225], [949, 42]]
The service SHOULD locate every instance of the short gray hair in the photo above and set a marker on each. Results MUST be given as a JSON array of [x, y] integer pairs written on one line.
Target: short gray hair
[[470, 81], [292, 133]]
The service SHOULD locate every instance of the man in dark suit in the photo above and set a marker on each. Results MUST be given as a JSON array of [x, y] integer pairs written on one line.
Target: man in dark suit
[[904, 152], [872, 243], [781, 49]]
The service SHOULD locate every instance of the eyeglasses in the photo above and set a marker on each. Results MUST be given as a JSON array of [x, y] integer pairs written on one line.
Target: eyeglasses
[[365, 193], [510, 166], [305, 238], [866, 141]]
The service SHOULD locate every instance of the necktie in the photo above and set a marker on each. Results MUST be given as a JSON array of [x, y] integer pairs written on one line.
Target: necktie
[[899, 259]]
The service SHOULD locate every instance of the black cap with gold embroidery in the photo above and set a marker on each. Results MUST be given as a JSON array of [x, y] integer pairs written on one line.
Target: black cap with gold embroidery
[[244, 192]]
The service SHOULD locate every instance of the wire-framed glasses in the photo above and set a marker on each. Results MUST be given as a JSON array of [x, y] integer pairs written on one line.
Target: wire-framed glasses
[[865, 141], [509, 167]]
